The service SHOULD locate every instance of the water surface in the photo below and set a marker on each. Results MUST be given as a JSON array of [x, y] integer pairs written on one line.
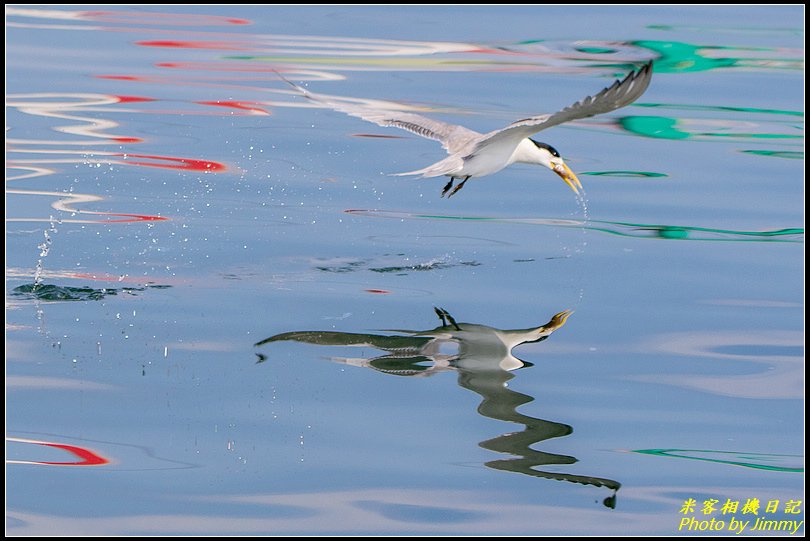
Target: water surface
[[221, 308]]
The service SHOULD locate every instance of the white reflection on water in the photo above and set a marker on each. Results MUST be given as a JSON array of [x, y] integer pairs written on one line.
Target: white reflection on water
[[40, 383], [778, 376]]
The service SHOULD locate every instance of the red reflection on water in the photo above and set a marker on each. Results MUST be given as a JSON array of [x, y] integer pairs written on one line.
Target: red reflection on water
[[176, 44], [187, 164], [251, 106], [86, 456], [133, 99], [131, 218], [122, 77]]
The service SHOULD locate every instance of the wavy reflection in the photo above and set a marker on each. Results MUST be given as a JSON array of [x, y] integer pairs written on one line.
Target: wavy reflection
[[114, 17], [321, 56], [482, 357], [664, 127], [308, 57], [680, 57], [751, 124], [623, 229], [758, 363], [75, 118], [78, 456]]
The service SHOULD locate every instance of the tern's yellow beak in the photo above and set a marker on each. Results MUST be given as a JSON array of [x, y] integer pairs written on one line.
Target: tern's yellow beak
[[559, 319], [568, 176]]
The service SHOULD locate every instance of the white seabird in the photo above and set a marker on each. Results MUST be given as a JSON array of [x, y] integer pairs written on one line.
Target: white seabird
[[473, 154]]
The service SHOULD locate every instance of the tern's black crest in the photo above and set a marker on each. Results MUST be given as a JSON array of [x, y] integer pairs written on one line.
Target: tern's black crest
[[550, 148]]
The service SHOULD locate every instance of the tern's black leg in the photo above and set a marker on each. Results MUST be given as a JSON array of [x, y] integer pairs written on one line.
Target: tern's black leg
[[448, 186], [457, 188], [445, 317], [440, 312]]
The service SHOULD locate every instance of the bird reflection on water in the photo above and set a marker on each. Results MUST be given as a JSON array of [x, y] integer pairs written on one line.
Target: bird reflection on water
[[484, 362]]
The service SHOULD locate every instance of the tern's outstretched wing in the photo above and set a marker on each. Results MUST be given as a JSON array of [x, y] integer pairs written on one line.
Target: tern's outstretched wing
[[453, 138], [617, 95]]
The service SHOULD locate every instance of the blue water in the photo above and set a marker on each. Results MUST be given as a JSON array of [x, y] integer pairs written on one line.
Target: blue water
[[171, 203]]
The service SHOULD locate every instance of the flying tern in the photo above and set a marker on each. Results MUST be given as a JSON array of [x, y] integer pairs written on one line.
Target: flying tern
[[473, 154]]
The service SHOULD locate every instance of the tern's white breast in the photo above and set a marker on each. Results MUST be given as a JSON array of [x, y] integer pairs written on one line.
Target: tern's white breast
[[491, 159]]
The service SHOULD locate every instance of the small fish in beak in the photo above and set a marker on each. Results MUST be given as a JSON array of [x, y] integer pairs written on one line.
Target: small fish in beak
[[568, 176]]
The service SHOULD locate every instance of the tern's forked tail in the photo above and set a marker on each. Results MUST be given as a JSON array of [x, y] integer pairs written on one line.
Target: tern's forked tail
[[447, 166]]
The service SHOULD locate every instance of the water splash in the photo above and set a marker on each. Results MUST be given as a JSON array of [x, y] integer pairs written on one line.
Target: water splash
[[582, 200], [50, 292], [44, 249], [400, 265]]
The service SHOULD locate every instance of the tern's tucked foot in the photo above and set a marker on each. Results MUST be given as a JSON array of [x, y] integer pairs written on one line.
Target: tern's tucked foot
[[457, 188], [448, 186]]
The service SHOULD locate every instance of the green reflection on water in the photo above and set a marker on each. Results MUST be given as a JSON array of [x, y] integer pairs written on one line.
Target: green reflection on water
[[663, 127], [687, 107], [790, 154], [624, 229], [679, 57], [628, 174], [695, 233], [760, 461], [596, 50]]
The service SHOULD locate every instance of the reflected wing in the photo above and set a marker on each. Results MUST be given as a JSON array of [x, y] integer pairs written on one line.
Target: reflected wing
[[617, 95], [331, 338], [453, 137]]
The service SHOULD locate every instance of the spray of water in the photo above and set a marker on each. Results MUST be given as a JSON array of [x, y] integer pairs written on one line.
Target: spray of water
[[44, 249], [583, 204]]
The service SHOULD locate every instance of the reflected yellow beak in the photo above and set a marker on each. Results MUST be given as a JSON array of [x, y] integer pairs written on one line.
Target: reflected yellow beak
[[569, 177]]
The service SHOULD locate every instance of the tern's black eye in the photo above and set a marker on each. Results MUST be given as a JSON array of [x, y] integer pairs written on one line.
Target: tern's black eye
[[551, 149]]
